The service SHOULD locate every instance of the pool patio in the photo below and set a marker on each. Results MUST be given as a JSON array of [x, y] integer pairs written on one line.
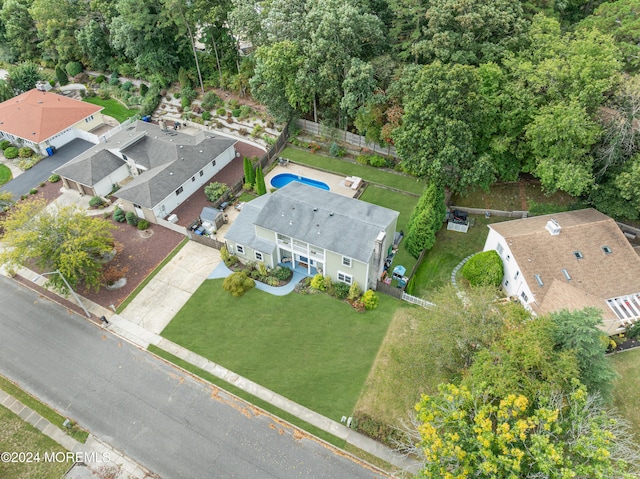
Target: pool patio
[[335, 182]]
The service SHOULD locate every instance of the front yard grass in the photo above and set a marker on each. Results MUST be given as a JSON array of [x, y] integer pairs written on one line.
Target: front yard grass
[[451, 247], [312, 349], [625, 389], [18, 436], [113, 108], [347, 168], [403, 204]]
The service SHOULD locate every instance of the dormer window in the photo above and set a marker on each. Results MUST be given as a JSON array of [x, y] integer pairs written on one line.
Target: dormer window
[[578, 254], [606, 250]]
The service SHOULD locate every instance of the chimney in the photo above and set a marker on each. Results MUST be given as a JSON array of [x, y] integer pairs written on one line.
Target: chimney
[[553, 227]]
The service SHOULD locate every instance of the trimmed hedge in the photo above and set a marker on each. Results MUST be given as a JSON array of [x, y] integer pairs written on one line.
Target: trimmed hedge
[[426, 219], [11, 153], [484, 269]]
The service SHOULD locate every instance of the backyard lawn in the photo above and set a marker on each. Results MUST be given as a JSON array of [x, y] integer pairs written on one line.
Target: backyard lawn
[[451, 247], [401, 203], [5, 174], [312, 349], [113, 108], [18, 436], [625, 389], [347, 168]]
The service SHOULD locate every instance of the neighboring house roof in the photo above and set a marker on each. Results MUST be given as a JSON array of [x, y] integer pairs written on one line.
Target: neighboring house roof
[[334, 222], [595, 277], [37, 115], [90, 169], [171, 158], [243, 231]]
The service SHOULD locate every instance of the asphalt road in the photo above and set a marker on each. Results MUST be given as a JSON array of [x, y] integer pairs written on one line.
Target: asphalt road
[[169, 422], [42, 170]]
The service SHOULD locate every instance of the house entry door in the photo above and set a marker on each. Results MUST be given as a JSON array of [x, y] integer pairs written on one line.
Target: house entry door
[[139, 211]]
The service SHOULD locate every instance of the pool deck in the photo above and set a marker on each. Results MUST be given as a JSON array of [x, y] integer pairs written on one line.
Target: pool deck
[[335, 182]]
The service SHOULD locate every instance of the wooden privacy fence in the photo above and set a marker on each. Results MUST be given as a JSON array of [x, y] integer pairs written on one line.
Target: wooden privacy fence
[[345, 136], [205, 240], [482, 211]]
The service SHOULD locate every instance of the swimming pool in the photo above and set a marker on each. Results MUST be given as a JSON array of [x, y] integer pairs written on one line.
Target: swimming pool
[[283, 179]]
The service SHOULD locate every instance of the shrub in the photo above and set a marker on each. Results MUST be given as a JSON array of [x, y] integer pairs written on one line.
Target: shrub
[[336, 150], [4, 144], [132, 218], [318, 282], [210, 100], [150, 101], [25, 152], [114, 81], [484, 269], [426, 219], [224, 254], [33, 191], [119, 215], [634, 331], [74, 68], [238, 283], [272, 281], [256, 131], [196, 109], [282, 273], [54, 178], [245, 111], [354, 291], [187, 95], [143, 89], [143, 225], [370, 300], [221, 112], [236, 112], [61, 75], [215, 190], [206, 116], [126, 86], [96, 201], [11, 153], [341, 290], [100, 79]]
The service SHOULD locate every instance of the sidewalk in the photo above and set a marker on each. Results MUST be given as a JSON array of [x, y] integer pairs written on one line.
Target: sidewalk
[[143, 320], [94, 454]]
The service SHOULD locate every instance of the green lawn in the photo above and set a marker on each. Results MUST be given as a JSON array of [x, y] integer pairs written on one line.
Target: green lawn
[[451, 247], [312, 349], [368, 173], [42, 409], [5, 174], [19, 436], [113, 108], [625, 389], [403, 204]]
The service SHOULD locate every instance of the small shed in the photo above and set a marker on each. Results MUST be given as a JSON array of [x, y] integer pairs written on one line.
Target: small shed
[[212, 219], [398, 272]]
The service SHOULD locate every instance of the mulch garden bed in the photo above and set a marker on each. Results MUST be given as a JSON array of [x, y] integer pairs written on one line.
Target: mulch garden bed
[[139, 253]]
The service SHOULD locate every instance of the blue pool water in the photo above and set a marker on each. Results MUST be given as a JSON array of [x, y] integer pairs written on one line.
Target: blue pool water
[[283, 179]]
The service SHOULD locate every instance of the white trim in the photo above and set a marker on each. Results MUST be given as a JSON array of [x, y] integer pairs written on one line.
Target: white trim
[[348, 260]]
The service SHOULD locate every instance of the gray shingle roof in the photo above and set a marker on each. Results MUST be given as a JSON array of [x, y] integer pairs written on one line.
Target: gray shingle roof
[[90, 169], [333, 222], [242, 230]]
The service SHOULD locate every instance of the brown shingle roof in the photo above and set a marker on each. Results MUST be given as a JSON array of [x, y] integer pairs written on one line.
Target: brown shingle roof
[[595, 277], [37, 115]]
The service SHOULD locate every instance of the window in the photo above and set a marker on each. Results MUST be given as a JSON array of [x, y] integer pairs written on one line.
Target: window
[[346, 262], [258, 255], [517, 275], [345, 278], [240, 249], [88, 119], [606, 250], [124, 157], [213, 163], [524, 296], [179, 190], [578, 254], [506, 283], [499, 249], [201, 173], [193, 178]]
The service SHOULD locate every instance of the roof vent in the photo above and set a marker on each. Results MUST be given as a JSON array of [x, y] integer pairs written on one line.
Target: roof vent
[[553, 227], [566, 274], [538, 279], [315, 209], [330, 214], [578, 255], [606, 250]]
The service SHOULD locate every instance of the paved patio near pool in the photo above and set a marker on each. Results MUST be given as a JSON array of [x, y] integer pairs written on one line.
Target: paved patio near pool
[[335, 182]]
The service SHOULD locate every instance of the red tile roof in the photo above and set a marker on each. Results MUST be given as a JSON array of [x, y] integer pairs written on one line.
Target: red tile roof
[[37, 115]]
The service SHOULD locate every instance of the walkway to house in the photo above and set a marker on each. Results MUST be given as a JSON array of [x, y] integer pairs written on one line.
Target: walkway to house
[[222, 271]]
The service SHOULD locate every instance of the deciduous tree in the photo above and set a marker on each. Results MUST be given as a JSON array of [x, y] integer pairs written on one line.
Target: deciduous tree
[[62, 239]]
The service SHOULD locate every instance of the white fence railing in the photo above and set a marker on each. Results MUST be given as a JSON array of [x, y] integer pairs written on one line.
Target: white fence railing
[[85, 135], [350, 138], [415, 300], [108, 134]]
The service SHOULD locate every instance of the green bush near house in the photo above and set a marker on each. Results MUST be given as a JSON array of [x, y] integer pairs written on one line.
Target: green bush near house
[[143, 225], [215, 190], [119, 215], [54, 178], [370, 300], [25, 152], [74, 68], [5, 176], [210, 100], [206, 115], [484, 269], [11, 153], [131, 218], [96, 201], [4, 144], [341, 290], [238, 283]]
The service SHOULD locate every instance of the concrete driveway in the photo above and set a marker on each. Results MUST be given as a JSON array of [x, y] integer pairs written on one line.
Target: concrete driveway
[[40, 172], [158, 302]]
